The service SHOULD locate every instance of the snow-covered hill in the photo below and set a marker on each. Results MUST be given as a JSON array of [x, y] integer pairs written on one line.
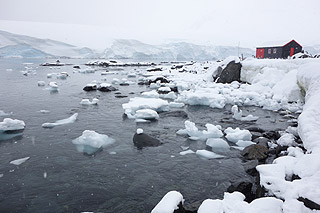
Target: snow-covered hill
[[313, 50], [13, 45], [136, 50]]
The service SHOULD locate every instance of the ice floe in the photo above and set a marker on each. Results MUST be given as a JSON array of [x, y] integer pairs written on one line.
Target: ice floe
[[9, 124], [19, 161], [88, 102]]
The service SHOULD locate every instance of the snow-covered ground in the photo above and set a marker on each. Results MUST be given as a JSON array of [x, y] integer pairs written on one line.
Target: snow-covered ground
[[273, 84]]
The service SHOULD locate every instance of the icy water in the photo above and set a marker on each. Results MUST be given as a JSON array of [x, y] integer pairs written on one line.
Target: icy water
[[120, 178]]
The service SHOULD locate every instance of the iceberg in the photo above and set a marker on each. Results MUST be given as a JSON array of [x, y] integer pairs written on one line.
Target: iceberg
[[9, 124]]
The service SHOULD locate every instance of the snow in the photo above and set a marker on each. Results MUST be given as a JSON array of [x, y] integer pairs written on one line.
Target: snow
[[176, 105], [88, 102], [168, 203], [286, 140], [234, 135], [146, 114], [19, 161], [205, 154], [69, 120], [9, 124], [91, 141], [237, 114], [139, 131], [218, 144]]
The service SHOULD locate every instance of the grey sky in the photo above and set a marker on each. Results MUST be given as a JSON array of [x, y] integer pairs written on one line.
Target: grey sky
[[94, 23]]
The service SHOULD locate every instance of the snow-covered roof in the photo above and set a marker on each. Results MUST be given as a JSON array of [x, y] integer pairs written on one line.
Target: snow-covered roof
[[276, 43]]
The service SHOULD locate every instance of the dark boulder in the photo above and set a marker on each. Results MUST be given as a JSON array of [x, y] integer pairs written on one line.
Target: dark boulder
[[244, 187], [309, 203], [275, 135], [90, 88], [255, 152], [229, 74], [107, 89], [262, 141], [76, 66], [161, 79], [143, 140], [250, 167]]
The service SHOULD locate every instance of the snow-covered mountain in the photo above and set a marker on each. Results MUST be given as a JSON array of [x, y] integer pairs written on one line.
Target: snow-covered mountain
[[313, 50], [136, 50], [13, 45]]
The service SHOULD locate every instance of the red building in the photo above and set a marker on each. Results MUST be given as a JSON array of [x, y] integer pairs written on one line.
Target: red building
[[279, 50]]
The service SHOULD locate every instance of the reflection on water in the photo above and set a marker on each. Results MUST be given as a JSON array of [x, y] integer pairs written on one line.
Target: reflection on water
[[119, 178]]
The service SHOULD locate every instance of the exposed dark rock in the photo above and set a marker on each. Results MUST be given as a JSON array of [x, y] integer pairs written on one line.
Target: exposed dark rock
[[107, 89], [90, 88], [275, 135], [230, 73], [255, 135], [255, 129], [117, 93], [309, 203], [154, 69], [121, 96], [255, 152], [143, 140], [243, 187], [262, 141], [161, 79], [250, 167], [76, 66], [177, 113], [124, 84], [279, 149], [174, 89]]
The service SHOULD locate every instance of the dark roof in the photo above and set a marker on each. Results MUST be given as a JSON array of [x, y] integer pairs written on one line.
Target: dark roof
[[276, 44]]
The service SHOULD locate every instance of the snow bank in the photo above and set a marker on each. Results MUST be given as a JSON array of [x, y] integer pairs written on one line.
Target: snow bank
[[168, 203], [69, 120], [11, 124], [90, 142]]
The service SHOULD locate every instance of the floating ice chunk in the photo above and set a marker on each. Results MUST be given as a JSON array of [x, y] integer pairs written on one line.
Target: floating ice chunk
[[237, 114], [154, 85], [150, 94], [169, 203], [90, 142], [234, 135], [19, 161], [176, 105], [218, 144], [69, 120], [170, 95], [212, 131], [62, 75], [207, 154], [44, 111], [189, 151], [41, 83], [286, 140], [115, 81], [88, 102], [243, 143], [2, 113], [144, 103], [9, 124], [131, 75], [147, 114], [53, 86], [49, 75], [141, 120], [164, 90]]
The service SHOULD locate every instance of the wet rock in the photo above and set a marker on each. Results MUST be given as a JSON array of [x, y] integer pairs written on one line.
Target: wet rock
[[280, 149], [275, 135], [230, 73], [255, 129], [124, 84], [309, 203], [250, 167], [107, 89], [243, 187], [117, 93], [90, 88], [121, 96], [76, 67], [160, 78], [154, 69], [177, 113], [143, 140], [256, 135], [261, 141], [255, 152]]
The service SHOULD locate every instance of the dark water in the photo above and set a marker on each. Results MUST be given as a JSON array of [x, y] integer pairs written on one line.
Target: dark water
[[57, 178]]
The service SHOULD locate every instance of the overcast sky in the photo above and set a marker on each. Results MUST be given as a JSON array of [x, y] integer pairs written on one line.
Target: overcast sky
[[95, 23]]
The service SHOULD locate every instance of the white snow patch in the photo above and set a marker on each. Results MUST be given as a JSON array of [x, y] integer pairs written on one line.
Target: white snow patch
[[168, 203]]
